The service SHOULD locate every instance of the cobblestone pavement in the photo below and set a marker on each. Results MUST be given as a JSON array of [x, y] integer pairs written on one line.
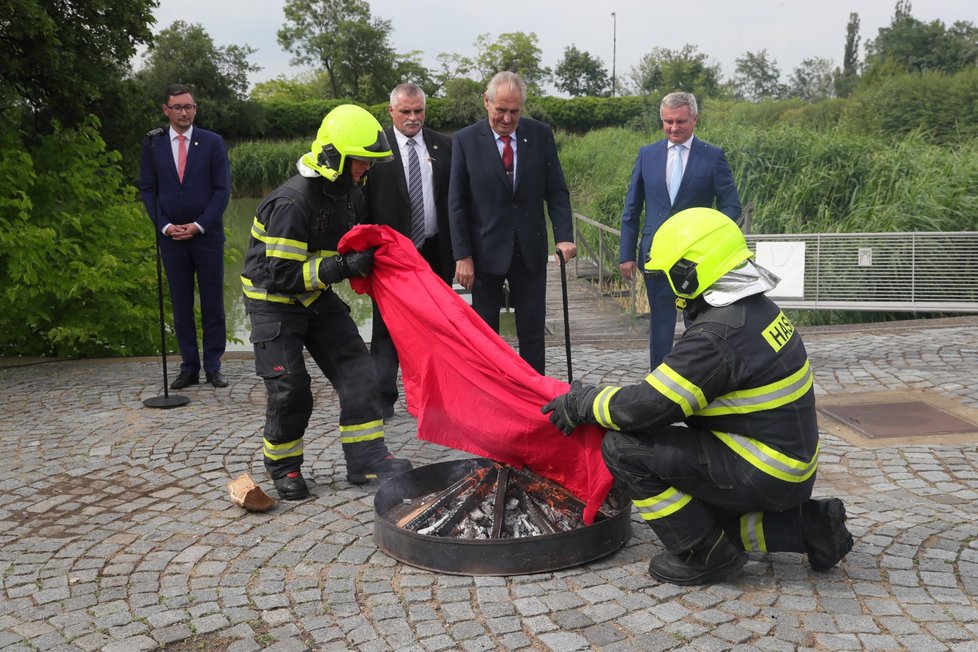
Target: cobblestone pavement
[[116, 533]]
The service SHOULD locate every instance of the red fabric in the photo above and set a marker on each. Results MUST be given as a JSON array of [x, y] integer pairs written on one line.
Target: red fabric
[[468, 388]]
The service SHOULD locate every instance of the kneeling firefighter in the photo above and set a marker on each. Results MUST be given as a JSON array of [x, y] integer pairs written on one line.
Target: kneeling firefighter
[[718, 446], [288, 271]]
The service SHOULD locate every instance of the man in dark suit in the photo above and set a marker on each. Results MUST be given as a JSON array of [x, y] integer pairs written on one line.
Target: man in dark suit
[[185, 183], [671, 175], [421, 215], [504, 169]]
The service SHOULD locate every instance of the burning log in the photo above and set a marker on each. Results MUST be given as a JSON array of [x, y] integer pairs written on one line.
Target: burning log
[[496, 502], [478, 517]]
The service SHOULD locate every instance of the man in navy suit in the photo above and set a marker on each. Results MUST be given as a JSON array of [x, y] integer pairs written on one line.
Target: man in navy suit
[[185, 183], [702, 178], [504, 169], [391, 204]]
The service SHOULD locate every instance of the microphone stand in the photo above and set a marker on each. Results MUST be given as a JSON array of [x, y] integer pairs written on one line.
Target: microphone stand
[[166, 401]]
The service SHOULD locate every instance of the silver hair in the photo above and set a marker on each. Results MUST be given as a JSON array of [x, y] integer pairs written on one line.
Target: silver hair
[[510, 80], [678, 99], [407, 89]]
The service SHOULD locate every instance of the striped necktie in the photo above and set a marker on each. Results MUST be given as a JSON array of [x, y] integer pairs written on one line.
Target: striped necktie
[[415, 194]]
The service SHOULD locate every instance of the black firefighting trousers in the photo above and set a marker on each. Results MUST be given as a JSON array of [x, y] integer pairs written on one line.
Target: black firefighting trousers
[[279, 334], [685, 482]]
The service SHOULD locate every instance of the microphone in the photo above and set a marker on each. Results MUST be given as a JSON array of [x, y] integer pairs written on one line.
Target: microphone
[[155, 132]]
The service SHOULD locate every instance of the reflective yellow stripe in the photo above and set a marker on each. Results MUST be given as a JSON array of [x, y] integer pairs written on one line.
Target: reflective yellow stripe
[[259, 294], [281, 451], [602, 407], [668, 502], [279, 247], [752, 532], [768, 460], [766, 397], [362, 432], [677, 389]]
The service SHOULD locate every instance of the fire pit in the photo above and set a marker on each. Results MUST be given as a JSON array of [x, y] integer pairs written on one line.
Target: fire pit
[[478, 517]]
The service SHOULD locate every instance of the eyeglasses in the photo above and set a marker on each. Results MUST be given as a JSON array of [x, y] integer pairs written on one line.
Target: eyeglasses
[[180, 108]]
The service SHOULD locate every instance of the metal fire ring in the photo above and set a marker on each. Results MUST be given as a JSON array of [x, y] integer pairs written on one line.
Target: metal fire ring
[[403, 495]]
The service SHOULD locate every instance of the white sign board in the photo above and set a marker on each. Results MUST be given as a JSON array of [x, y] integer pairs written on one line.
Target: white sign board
[[787, 260]]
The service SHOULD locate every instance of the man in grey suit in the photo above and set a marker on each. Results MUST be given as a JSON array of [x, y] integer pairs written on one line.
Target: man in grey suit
[[417, 210], [673, 174], [504, 170]]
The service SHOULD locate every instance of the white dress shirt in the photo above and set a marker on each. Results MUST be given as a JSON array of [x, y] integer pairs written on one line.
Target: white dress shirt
[[427, 186]]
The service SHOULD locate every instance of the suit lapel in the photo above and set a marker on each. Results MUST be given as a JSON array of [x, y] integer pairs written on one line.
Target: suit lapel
[[691, 160], [522, 155], [490, 152], [434, 156]]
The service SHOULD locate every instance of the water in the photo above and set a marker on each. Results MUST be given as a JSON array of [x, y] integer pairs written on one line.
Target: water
[[238, 219]]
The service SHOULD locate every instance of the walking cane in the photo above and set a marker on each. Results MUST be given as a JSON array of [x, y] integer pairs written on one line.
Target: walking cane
[[563, 288], [165, 401]]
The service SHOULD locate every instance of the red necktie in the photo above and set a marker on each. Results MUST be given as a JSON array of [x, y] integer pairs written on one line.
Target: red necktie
[[508, 158], [181, 156]]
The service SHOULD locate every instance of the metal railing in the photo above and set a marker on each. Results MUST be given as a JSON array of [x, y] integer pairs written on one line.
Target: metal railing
[[896, 272]]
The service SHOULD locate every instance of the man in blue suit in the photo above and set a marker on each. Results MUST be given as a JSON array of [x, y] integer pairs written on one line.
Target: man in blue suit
[[504, 169], [185, 183], [678, 172]]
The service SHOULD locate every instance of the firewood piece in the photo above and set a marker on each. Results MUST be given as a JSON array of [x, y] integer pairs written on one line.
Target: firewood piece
[[245, 492]]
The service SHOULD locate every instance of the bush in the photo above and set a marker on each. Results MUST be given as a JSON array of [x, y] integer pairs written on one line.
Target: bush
[[258, 167], [76, 251]]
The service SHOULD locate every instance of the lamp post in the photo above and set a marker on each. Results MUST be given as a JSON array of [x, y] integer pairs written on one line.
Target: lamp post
[[614, 48]]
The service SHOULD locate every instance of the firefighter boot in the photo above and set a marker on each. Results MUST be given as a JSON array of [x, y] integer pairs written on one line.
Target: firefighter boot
[[826, 538], [711, 560], [291, 486], [371, 461]]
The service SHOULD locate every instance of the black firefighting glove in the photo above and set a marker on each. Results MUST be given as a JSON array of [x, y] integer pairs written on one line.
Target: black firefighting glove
[[339, 267], [570, 410]]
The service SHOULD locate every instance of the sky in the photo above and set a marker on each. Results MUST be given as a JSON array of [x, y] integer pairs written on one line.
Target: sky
[[789, 30]]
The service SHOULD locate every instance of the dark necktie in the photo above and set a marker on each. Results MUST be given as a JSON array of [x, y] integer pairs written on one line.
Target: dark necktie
[[508, 159], [416, 195]]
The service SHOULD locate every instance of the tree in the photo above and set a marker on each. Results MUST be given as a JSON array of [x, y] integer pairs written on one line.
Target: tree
[[909, 45], [812, 80], [845, 79], [451, 66], [63, 59], [342, 38], [67, 207], [185, 53], [757, 77], [516, 52], [663, 71], [308, 85], [580, 74]]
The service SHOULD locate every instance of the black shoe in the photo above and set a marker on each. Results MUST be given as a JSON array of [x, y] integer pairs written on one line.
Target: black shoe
[[827, 539], [710, 561], [292, 486], [217, 379], [185, 379], [382, 472]]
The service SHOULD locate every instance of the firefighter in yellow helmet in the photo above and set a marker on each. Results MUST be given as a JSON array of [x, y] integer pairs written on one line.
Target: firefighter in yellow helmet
[[717, 448], [289, 269]]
